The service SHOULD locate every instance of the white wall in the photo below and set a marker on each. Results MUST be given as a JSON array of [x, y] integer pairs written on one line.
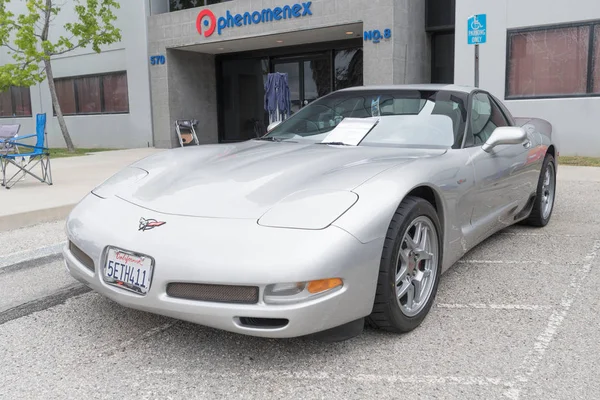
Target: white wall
[[131, 54], [576, 122]]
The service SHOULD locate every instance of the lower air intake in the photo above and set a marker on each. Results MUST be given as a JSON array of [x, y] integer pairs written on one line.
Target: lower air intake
[[81, 256], [214, 293], [265, 323]]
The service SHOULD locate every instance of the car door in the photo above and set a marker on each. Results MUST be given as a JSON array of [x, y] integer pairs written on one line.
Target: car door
[[499, 174]]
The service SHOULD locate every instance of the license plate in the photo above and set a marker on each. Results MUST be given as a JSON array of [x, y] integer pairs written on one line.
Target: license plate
[[128, 270]]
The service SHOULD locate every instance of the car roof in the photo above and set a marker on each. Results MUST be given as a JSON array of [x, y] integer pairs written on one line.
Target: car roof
[[418, 86]]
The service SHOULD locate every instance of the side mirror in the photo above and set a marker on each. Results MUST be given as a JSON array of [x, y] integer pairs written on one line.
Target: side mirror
[[505, 135], [272, 126]]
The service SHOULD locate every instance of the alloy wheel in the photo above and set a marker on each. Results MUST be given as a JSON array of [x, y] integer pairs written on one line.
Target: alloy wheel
[[416, 266], [548, 186]]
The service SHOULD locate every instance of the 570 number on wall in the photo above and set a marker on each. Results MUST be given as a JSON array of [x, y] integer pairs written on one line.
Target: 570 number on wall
[[157, 60]]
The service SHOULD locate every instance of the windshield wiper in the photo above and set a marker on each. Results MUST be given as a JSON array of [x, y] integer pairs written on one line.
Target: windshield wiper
[[335, 143]]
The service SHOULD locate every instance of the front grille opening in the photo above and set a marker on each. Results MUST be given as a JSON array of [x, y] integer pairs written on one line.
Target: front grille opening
[[81, 256], [214, 293], [265, 323]]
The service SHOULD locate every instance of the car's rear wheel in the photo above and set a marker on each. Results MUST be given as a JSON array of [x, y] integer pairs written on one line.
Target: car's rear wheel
[[410, 268], [544, 200]]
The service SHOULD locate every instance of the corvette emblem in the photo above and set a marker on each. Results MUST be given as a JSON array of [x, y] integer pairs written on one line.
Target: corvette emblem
[[147, 224]]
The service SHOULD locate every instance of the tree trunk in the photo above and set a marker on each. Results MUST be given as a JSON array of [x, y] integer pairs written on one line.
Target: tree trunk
[[56, 104]]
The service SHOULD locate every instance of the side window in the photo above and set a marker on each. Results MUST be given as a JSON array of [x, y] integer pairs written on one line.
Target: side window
[[485, 117]]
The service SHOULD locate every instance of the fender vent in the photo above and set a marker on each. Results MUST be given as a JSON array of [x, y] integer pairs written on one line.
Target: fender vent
[[214, 293]]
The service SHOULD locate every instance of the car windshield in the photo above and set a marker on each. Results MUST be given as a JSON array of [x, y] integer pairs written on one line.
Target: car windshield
[[405, 118]]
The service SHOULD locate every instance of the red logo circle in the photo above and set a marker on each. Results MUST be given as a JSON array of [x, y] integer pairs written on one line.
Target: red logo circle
[[212, 22]]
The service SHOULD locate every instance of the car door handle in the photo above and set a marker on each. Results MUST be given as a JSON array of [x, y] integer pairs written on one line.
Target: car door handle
[[527, 144]]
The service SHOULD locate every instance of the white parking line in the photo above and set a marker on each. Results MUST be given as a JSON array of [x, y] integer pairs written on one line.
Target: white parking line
[[543, 341], [526, 307], [540, 234], [30, 254], [529, 262], [326, 376], [542, 262]]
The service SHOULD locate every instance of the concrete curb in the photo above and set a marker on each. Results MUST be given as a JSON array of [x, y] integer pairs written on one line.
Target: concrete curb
[[32, 258], [30, 218]]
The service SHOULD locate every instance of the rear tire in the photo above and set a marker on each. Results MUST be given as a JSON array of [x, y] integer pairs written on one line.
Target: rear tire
[[410, 268], [545, 194]]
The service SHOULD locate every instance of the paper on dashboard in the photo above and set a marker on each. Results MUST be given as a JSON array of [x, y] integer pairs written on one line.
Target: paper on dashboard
[[351, 131]]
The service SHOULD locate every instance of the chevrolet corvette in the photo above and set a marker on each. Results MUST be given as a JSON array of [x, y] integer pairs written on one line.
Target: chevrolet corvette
[[347, 213]]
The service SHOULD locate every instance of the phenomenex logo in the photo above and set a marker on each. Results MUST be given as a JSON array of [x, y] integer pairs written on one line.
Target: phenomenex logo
[[207, 22]]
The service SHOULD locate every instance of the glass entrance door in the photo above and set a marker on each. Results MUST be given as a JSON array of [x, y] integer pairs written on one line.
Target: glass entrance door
[[293, 71], [308, 78]]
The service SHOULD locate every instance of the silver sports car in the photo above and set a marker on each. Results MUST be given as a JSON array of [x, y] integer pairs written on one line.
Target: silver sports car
[[346, 213]]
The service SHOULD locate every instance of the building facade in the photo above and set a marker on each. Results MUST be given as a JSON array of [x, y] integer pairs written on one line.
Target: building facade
[[105, 97], [543, 59], [217, 57], [209, 59]]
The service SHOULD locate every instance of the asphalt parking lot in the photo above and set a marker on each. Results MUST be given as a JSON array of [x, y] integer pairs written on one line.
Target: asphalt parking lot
[[516, 318]]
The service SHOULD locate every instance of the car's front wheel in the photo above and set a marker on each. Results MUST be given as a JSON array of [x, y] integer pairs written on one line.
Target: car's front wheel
[[410, 268]]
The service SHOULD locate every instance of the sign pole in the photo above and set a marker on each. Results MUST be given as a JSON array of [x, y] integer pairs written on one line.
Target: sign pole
[[476, 35], [476, 65]]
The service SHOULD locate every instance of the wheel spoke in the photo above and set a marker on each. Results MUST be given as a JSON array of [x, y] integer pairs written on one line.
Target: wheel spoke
[[403, 253], [402, 290], [401, 274], [423, 238], [410, 243], [425, 255], [410, 296], [420, 283], [418, 233]]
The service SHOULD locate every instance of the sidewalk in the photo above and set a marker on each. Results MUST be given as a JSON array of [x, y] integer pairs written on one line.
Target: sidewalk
[[30, 202]]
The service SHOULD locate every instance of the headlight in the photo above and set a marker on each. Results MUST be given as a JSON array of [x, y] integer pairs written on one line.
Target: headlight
[[309, 209], [124, 178], [290, 293]]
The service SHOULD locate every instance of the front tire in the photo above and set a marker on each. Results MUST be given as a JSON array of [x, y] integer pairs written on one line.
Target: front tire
[[410, 268], [545, 194]]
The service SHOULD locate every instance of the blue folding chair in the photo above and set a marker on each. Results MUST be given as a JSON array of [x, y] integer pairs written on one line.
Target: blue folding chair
[[37, 154]]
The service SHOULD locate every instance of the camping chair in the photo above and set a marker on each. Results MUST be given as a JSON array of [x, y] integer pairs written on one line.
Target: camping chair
[[186, 132], [8, 134], [37, 154]]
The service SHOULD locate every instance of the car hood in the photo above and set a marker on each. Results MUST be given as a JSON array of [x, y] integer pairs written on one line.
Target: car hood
[[244, 180]]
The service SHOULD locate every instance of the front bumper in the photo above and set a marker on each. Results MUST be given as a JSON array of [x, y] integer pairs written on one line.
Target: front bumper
[[227, 252]]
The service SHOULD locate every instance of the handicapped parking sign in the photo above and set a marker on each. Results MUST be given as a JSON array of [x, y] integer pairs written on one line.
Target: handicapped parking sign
[[477, 29]]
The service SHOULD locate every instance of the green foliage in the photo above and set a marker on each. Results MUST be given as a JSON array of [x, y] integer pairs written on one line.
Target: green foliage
[[28, 40]]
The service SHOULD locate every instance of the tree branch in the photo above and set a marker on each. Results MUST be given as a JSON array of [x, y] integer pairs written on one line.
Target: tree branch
[[78, 45], [58, 53], [13, 49]]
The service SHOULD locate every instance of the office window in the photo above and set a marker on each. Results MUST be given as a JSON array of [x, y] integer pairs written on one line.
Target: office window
[[348, 64], [15, 102], [99, 94], [65, 91], [596, 60], [440, 14], [442, 60], [176, 5], [554, 61]]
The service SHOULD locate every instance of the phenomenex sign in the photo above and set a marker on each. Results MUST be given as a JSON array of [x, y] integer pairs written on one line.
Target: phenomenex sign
[[207, 22]]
